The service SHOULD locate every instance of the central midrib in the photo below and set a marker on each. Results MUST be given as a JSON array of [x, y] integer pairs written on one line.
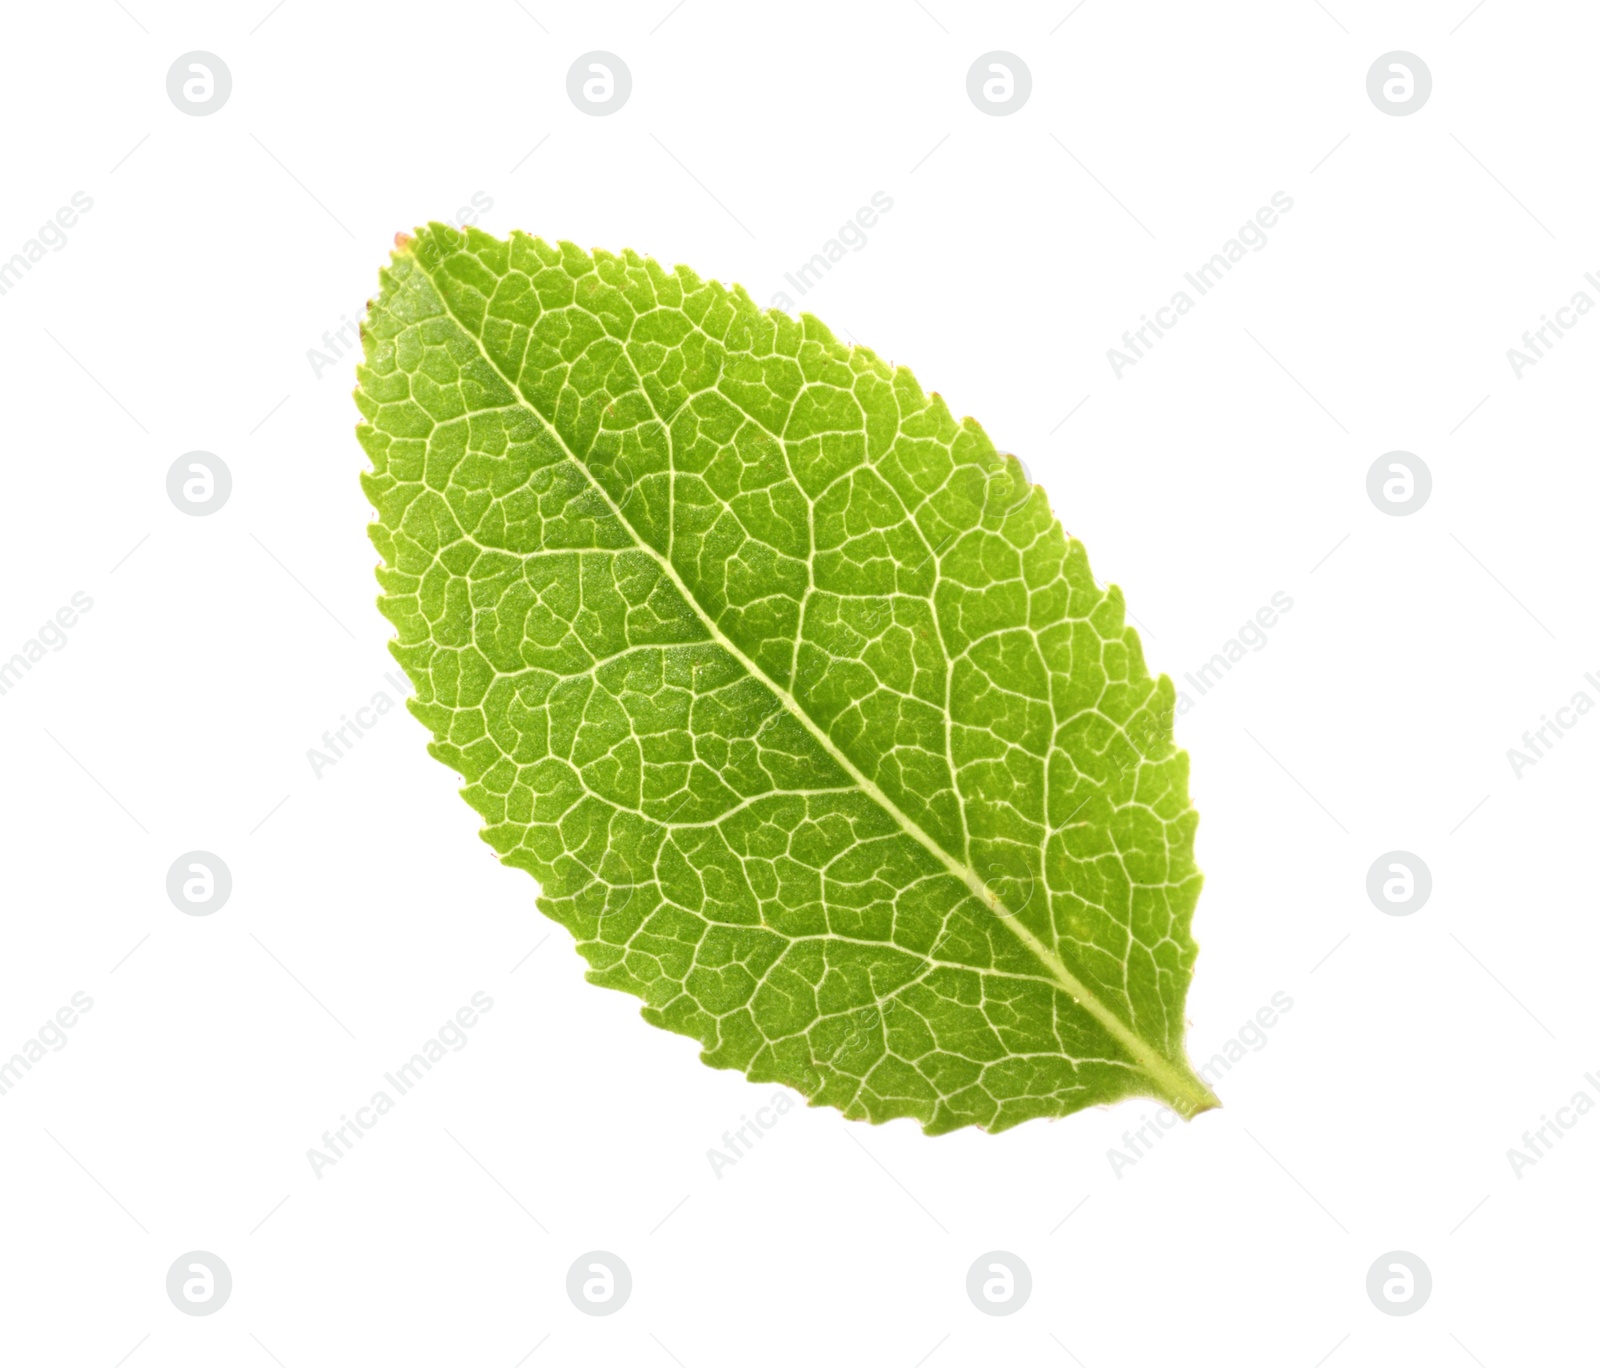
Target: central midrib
[[1175, 1080]]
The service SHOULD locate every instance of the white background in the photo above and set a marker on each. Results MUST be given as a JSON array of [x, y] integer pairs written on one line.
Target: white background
[[1228, 464]]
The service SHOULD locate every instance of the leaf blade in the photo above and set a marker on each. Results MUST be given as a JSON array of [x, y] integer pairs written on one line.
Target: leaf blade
[[693, 591]]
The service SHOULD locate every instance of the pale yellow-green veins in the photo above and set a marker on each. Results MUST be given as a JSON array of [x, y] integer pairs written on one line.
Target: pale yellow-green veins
[[812, 724]]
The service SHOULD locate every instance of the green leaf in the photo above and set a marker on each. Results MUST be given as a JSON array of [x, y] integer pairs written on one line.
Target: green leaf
[[790, 691]]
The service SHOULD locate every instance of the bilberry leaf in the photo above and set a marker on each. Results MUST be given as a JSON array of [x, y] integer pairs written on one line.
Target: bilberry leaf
[[790, 691]]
